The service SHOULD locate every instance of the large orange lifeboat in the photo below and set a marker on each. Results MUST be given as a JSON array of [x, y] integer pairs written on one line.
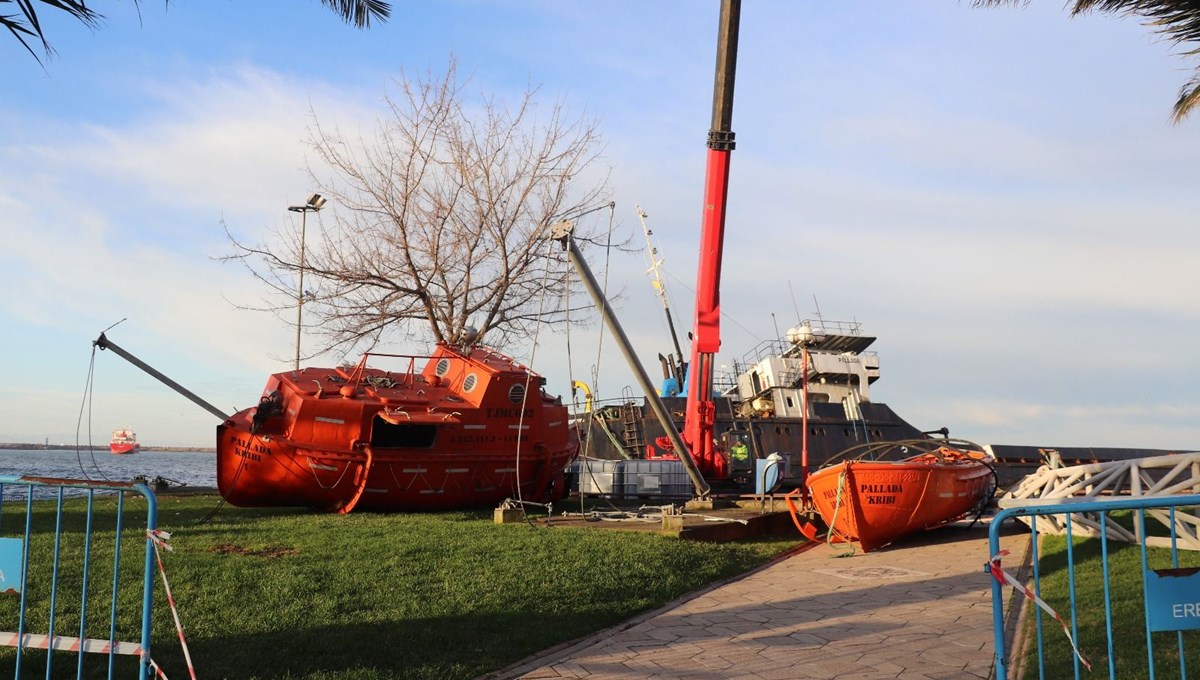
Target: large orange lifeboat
[[464, 427], [872, 500]]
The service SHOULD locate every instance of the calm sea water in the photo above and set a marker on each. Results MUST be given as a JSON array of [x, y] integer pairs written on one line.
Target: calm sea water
[[193, 468]]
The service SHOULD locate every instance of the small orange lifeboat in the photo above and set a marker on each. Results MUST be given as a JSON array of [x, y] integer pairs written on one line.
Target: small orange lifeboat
[[467, 426], [872, 500]]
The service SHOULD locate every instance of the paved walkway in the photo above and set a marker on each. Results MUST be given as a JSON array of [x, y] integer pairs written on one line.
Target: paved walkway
[[919, 609]]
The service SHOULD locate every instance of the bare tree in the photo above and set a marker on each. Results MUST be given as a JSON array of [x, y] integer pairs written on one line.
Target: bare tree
[[1177, 20], [441, 219]]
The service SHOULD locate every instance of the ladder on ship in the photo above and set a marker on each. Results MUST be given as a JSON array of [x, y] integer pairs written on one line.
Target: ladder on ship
[[632, 435]]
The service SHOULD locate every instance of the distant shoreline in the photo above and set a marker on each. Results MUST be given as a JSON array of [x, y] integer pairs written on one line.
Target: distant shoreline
[[72, 447]]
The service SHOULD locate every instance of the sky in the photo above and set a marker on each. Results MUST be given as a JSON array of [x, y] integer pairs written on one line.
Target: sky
[[998, 195]]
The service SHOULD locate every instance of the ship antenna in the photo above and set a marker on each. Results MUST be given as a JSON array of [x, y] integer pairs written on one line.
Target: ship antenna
[[820, 319], [795, 307]]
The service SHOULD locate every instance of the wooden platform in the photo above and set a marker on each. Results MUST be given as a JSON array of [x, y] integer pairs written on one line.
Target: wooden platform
[[730, 520]]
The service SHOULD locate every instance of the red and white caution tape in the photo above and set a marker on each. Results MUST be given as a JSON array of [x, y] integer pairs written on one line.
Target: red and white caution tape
[[69, 644], [1004, 577], [159, 539], [158, 672]]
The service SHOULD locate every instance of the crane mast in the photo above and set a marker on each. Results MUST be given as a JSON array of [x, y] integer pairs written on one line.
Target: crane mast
[[706, 329]]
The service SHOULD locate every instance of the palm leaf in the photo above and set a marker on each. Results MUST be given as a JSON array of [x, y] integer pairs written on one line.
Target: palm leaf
[[24, 23], [360, 12], [1176, 20]]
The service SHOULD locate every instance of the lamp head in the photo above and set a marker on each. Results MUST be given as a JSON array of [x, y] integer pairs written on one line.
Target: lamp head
[[315, 203]]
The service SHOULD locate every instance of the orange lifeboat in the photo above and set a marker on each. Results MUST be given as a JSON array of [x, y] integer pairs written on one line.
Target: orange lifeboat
[[873, 501], [469, 427]]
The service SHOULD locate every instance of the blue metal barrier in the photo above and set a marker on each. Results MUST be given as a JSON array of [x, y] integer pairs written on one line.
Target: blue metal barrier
[[55, 536], [1171, 596]]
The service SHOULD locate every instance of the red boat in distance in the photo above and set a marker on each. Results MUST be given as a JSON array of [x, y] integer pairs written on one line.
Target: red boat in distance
[[471, 427], [875, 501], [124, 440]]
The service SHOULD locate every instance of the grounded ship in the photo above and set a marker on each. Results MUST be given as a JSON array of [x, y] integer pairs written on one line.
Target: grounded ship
[[828, 365], [124, 440], [825, 365]]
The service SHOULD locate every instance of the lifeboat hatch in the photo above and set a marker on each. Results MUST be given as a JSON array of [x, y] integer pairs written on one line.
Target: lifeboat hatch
[[386, 435]]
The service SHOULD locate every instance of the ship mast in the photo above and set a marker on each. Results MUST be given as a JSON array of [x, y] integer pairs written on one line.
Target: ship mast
[[706, 333], [675, 368]]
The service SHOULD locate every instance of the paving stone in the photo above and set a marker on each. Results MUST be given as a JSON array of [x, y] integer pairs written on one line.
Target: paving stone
[[919, 610]]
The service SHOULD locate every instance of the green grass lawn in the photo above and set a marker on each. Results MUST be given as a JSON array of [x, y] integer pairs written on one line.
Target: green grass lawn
[[294, 594], [1129, 620]]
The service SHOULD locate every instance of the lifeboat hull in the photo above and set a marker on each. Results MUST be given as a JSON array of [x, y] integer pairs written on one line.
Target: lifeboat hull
[[876, 502], [462, 432], [255, 471]]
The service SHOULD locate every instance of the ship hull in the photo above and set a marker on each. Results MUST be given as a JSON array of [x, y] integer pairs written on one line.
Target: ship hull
[[121, 449], [830, 433], [876, 502]]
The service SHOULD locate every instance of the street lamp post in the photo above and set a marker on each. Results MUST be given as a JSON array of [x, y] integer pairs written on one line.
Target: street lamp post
[[315, 203]]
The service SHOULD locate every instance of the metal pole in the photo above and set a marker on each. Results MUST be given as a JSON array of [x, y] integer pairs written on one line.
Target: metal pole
[[804, 425], [104, 343], [300, 288], [561, 232]]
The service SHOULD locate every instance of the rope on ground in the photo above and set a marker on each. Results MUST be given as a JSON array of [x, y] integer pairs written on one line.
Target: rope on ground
[[837, 507], [611, 516]]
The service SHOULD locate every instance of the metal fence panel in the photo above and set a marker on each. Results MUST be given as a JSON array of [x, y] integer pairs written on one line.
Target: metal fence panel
[[76, 578], [1169, 596]]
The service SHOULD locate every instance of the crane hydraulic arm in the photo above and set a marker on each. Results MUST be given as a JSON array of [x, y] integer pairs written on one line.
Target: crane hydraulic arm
[[706, 333]]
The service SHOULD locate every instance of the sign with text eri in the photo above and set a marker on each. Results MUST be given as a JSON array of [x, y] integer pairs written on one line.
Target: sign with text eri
[[1173, 599], [12, 551]]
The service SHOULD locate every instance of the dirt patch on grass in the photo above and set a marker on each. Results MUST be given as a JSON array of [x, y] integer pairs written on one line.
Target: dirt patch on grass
[[269, 552]]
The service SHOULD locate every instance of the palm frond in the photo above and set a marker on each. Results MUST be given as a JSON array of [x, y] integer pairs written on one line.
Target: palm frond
[[20, 31], [25, 23], [360, 12], [1176, 20]]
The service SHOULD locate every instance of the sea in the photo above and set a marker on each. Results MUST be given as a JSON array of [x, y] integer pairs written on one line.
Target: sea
[[177, 468]]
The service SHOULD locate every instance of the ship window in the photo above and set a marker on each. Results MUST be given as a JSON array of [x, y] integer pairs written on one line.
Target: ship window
[[787, 430], [385, 435], [790, 403], [516, 393], [443, 366], [470, 382], [778, 430]]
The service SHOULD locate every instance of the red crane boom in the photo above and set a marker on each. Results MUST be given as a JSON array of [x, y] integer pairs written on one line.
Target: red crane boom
[[706, 333]]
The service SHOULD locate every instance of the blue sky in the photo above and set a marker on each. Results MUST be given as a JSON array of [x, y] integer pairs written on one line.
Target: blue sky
[[998, 195]]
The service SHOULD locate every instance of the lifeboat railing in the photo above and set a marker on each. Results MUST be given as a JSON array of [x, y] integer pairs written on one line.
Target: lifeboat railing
[[407, 376]]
